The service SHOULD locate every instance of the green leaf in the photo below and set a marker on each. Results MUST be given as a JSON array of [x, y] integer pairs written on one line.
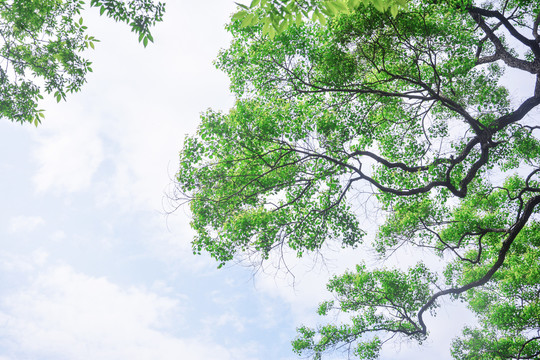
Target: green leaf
[[341, 6], [315, 15], [240, 15], [272, 32], [282, 26], [380, 5], [299, 20], [394, 10], [249, 20], [329, 8], [266, 27], [242, 6]]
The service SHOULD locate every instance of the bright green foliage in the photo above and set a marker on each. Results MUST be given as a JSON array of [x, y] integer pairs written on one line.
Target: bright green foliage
[[276, 16], [376, 300], [508, 307], [42, 46], [263, 194], [141, 15], [408, 108]]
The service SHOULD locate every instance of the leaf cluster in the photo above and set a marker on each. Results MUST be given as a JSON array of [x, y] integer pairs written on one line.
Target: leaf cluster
[[277, 16], [379, 301], [43, 46]]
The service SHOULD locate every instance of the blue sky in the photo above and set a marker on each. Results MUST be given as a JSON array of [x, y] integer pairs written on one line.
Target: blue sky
[[91, 267]]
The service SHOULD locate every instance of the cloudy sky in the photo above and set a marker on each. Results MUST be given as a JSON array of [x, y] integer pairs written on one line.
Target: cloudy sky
[[92, 267]]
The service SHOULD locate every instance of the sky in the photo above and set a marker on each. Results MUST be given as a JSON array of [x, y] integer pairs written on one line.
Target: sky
[[93, 266]]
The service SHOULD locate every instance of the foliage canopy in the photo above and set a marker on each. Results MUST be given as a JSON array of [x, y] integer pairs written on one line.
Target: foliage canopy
[[277, 15], [408, 107], [42, 45]]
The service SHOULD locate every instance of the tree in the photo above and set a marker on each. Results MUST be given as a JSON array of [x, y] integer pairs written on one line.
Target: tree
[[42, 46], [409, 109]]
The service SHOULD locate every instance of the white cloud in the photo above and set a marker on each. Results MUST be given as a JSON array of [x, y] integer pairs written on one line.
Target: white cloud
[[229, 320], [18, 224], [58, 236], [69, 152], [22, 264], [65, 314]]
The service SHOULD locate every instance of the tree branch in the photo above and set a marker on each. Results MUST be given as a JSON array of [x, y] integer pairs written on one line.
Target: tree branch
[[504, 55], [532, 44]]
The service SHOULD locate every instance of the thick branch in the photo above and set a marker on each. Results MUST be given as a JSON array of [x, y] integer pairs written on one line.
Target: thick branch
[[532, 44], [535, 28], [504, 55], [388, 164], [487, 59], [520, 112]]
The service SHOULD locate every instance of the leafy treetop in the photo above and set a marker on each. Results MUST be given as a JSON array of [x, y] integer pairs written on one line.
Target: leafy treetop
[[276, 15]]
